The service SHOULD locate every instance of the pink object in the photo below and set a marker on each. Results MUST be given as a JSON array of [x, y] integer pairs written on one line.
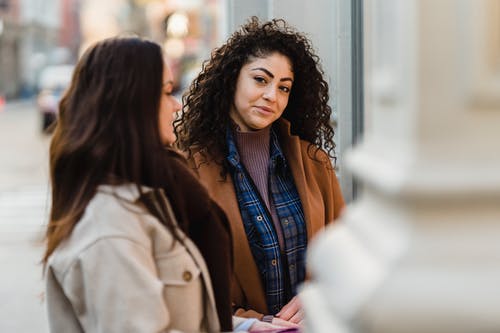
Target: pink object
[[2, 103]]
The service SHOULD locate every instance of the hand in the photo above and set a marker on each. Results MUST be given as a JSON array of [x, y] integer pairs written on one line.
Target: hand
[[292, 312]]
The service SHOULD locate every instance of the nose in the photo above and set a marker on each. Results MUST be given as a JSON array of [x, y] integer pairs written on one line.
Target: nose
[[270, 94]]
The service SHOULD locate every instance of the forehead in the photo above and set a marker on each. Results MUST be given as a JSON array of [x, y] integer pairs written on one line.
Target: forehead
[[274, 62]]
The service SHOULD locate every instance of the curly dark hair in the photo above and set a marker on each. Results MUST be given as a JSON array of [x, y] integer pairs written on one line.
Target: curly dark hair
[[206, 105]]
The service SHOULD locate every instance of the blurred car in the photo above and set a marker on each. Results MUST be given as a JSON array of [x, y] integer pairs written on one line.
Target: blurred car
[[52, 83]]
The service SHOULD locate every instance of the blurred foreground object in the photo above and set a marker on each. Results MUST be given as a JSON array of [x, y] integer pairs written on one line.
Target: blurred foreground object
[[420, 251], [2, 102], [52, 83]]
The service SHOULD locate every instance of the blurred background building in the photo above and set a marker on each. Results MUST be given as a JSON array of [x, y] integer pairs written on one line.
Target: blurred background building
[[35, 34]]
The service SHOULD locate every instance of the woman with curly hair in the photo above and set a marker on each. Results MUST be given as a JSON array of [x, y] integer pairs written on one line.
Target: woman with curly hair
[[256, 129]]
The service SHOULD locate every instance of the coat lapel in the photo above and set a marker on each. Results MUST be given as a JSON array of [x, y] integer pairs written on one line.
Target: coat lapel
[[291, 146]]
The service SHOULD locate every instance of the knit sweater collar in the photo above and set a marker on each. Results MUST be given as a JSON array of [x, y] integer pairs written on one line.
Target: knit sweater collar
[[253, 141]]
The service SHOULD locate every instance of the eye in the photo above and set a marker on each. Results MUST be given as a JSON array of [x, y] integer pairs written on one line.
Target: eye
[[285, 89], [168, 89], [260, 79]]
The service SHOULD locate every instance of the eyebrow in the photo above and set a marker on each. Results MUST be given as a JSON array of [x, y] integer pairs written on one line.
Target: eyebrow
[[271, 74]]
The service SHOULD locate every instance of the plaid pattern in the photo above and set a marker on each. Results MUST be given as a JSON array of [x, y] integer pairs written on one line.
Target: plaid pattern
[[259, 226]]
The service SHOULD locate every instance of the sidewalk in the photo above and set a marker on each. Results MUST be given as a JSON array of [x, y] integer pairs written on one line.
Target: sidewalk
[[23, 213]]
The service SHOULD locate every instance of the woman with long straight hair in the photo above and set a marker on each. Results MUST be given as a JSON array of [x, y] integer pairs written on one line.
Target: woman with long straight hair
[[134, 242]]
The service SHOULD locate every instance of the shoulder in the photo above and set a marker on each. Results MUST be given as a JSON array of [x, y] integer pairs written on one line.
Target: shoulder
[[109, 218], [315, 154], [176, 154], [114, 211], [205, 164], [296, 148], [293, 145]]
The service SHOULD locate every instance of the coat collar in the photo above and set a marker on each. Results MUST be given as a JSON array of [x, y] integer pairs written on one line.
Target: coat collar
[[127, 191], [294, 150]]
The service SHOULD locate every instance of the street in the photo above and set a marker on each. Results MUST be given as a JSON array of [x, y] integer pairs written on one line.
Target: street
[[24, 205]]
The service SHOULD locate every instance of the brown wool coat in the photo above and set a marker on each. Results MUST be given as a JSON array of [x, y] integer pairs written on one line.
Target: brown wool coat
[[321, 199]]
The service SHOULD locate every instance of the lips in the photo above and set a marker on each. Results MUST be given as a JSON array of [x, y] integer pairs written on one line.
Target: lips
[[265, 109]]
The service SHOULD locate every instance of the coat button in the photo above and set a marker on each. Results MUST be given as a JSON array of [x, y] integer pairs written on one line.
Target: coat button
[[273, 262], [259, 218], [187, 276], [285, 222]]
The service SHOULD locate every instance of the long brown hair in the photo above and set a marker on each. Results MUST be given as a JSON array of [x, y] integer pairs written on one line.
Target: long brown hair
[[107, 129]]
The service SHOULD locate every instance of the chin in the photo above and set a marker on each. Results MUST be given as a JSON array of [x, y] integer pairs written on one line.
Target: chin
[[261, 126]]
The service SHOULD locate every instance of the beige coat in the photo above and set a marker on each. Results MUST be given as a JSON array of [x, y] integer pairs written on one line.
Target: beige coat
[[319, 193], [120, 271]]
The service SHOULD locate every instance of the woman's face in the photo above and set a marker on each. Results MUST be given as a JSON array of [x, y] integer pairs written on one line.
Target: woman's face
[[262, 91], [168, 108]]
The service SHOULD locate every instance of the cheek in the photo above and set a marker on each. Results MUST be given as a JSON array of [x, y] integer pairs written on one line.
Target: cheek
[[168, 117], [165, 116], [246, 93], [166, 108], [238, 98], [283, 103]]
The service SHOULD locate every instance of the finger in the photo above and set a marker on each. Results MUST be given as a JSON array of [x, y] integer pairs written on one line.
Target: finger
[[285, 307], [297, 318], [289, 309], [283, 323], [286, 314]]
